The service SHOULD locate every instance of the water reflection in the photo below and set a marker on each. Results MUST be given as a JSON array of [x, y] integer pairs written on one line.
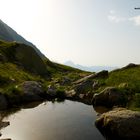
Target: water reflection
[[65, 120]]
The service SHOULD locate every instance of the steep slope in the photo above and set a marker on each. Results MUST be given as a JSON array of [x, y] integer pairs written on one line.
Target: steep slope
[[8, 34]]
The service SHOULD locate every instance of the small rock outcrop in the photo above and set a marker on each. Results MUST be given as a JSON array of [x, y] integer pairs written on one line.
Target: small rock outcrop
[[32, 91], [52, 91], [131, 65], [84, 87], [101, 74], [109, 97], [120, 124]]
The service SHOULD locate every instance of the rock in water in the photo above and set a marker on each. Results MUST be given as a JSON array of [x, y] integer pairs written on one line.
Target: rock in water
[[120, 124]]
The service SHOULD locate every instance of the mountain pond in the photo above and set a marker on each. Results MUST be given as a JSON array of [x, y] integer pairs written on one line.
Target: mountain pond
[[67, 120]]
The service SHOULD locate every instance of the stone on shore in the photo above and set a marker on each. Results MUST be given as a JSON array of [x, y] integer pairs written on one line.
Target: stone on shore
[[120, 124]]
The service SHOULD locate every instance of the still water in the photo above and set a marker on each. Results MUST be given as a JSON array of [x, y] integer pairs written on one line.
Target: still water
[[66, 120]]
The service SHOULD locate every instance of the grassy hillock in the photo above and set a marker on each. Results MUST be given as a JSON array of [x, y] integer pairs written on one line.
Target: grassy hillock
[[127, 80]]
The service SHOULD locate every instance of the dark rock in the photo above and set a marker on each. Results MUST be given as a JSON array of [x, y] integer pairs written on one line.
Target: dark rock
[[2, 58], [3, 102], [120, 124], [95, 85], [84, 87], [109, 97], [102, 74], [52, 91], [66, 81], [32, 91], [4, 124], [131, 65], [30, 60]]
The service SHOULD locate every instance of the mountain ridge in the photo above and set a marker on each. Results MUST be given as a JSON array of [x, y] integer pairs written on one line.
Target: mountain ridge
[[89, 68], [10, 35]]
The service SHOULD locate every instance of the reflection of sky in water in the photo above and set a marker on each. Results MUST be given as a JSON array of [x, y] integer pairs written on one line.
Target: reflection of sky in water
[[53, 121]]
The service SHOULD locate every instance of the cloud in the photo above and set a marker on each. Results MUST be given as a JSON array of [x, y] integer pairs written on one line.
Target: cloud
[[112, 11], [113, 17], [116, 19], [136, 20]]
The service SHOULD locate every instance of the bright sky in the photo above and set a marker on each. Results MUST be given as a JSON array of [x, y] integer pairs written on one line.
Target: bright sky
[[87, 32]]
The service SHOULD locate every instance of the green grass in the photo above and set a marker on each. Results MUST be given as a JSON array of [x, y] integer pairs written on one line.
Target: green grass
[[127, 81], [11, 73], [130, 76]]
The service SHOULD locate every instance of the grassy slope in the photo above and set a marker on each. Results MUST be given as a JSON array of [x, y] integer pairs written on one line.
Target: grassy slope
[[13, 72], [61, 72], [128, 81]]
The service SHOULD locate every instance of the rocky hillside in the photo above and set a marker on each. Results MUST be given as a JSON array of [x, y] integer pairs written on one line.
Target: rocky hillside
[[8, 34], [25, 76], [120, 87], [22, 55]]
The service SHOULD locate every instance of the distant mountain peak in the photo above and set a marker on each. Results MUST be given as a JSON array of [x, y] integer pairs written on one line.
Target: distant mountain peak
[[8, 34], [89, 68]]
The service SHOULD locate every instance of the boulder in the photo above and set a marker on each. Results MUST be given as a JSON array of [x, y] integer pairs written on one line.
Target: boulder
[[70, 94], [101, 74], [30, 60], [32, 91], [4, 124], [95, 85], [84, 87], [120, 124], [52, 91], [109, 97], [65, 81]]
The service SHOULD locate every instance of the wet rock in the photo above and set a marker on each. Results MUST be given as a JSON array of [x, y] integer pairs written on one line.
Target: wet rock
[[120, 124], [32, 91], [109, 97]]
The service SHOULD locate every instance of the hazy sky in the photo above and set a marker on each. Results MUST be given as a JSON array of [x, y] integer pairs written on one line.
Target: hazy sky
[[87, 32]]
